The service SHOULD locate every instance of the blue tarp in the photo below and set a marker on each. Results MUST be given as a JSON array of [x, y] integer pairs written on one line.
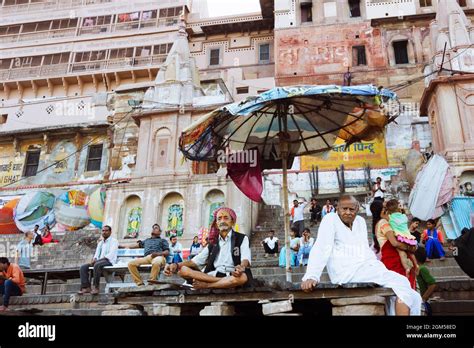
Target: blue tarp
[[459, 216]]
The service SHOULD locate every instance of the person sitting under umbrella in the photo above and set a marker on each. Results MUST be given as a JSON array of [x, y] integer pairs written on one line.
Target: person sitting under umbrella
[[226, 259], [343, 246]]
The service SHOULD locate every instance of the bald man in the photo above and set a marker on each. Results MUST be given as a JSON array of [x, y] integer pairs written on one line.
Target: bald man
[[343, 247], [226, 260]]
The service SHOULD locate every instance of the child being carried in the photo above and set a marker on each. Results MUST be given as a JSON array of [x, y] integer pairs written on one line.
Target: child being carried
[[399, 224]]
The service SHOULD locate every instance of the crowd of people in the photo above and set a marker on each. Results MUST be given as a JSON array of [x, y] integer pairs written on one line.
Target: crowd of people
[[398, 257]]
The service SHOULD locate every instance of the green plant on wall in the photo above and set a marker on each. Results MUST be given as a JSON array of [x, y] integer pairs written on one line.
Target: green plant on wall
[[175, 220]]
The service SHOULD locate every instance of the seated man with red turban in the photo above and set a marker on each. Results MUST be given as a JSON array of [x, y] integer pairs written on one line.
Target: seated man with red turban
[[226, 259]]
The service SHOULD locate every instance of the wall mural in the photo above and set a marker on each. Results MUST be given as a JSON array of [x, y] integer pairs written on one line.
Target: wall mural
[[134, 222], [175, 220], [213, 207], [66, 210]]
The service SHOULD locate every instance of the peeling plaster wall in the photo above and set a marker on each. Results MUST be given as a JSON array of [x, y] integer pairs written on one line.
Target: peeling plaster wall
[[64, 169]]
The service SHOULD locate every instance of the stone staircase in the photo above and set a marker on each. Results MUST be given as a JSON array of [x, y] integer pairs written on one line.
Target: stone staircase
[[271, 217], [76, 248]]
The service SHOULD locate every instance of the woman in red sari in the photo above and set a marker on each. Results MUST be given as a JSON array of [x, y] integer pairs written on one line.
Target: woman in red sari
[[389, 244]]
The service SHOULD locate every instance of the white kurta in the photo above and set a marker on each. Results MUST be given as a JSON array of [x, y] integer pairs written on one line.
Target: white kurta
[[349, 259]]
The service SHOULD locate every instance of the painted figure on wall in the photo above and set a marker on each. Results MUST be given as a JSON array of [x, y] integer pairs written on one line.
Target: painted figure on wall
[[175, 220], [212, 208], [134, 222]]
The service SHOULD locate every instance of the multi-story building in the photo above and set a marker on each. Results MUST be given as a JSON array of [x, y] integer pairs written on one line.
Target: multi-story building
[[384, 43], [447, 99], [59, 63], [234, 59], [68, 70]]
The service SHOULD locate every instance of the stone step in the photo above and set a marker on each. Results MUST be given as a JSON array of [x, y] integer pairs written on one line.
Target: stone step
[[72, 312], [453, 307]]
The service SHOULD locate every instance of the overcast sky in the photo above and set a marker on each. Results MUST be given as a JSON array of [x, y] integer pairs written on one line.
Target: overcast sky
[[219, 8]]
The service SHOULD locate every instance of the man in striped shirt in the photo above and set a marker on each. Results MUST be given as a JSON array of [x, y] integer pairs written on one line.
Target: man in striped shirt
[[156, 250]]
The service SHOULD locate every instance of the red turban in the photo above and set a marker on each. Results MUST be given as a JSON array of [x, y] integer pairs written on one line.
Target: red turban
[[214, 230]]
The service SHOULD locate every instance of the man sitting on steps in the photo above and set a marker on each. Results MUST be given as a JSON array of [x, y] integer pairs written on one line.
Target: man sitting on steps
[[226, 259], [343, 247], [105, 255], [270, 244], [156, 250]]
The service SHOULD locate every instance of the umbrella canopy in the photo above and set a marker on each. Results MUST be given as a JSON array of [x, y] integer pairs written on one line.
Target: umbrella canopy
[[35, 208], [312, 118], [291, 121]]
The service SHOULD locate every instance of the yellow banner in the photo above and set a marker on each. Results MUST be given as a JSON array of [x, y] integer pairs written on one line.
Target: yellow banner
[[10, 171], [358, 155]]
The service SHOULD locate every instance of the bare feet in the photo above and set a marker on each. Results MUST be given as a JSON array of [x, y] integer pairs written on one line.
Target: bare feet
[[95, 291], [428, 260], [442, 259], [4, 309], [200, 285]]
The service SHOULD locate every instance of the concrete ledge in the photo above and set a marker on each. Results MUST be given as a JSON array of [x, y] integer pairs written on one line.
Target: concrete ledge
[[359, 300], [366, 309]]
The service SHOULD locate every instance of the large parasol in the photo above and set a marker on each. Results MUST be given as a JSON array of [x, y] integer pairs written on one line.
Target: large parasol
[[292, 121]]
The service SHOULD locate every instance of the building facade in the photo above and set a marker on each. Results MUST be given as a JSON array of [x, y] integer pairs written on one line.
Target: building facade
[[68, 72], [447, 99], [358, 42]]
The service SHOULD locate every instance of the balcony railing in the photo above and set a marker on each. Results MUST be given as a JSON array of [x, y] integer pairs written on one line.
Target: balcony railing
[[74, 68], [38, 35], [49, 5], [89, 30]]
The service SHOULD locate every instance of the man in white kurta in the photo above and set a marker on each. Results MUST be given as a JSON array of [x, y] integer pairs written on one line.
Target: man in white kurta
[[343, 247]]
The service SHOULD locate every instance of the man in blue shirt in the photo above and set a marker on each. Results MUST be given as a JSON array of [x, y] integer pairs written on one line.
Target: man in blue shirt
[[24, 251]]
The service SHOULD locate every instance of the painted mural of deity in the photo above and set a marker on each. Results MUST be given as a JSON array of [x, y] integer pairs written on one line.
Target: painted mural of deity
[[134, 222], [175, 220]]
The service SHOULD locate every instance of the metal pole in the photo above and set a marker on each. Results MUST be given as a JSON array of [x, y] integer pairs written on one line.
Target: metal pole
[[442, 60], [317, 180], [286, 210], [343, 180]]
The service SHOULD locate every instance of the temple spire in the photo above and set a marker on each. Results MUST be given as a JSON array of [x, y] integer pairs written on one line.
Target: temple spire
[[453, 30]]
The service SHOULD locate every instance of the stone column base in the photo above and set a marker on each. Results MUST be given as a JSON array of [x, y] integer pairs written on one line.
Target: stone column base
[[218, 308], [369, 305], [160, 309]]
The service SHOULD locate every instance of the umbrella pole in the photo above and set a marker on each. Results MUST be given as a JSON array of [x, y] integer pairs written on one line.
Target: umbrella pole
[[286, 210]]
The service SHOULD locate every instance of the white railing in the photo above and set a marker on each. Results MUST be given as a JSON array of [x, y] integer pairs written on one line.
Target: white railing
[[89, 30], [65, 69], [49, 5], [38, 35]]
